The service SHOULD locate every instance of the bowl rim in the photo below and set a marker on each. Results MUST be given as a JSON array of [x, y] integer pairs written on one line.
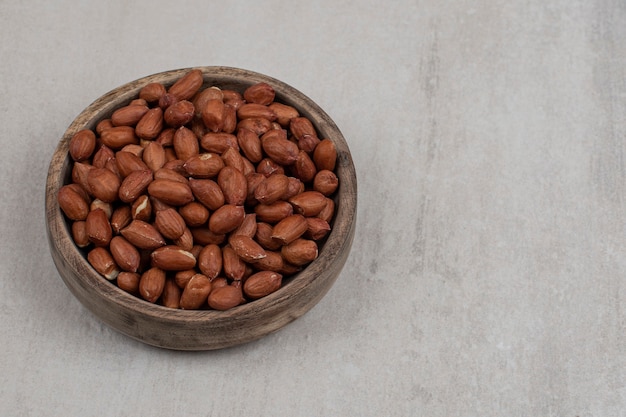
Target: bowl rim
[[335, 248]]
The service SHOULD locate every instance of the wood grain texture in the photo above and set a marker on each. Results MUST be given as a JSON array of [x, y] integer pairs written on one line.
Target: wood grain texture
[[202, 330]]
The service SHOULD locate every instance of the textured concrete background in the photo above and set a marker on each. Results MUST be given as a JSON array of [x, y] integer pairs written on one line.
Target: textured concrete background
[[487, 274]]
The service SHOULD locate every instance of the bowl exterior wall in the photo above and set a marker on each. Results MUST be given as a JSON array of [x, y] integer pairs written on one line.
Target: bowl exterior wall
[[206, 329]]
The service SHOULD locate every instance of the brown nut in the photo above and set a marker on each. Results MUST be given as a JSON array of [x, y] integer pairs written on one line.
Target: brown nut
[[273, 213], [325, 155], [201, 98], [194, 214], [328, 211], [290, 228], [185, 143], [166, 137], [135, 184], [80, 190], [234, 185], [294, 188], [301, 126], [167, 100], [111, 166], [308, 143], [218, 142], [197, 125], [120, 218], [176, 165], [98, 228], [152, 92], [125, 254], [326, 182], [219, 282], [276, 132], [182, 277], [80, 171], [172, 258], [103, 184], [185, 241], [253, 180], [143, 235], [284, 113], [103, 155], [129, 282], [154, 156], [213, 115], [151, 284], [99, 204], [232, 158], [128, 162], [246, 248], [170, 174], [103, 125], [304, 169], [179, 113], [138, 102], [282, 151], [195, 293], [247, 226], [188, 85], [252, 110], [204, 165], [102, 261], [229, 124], [141, 208], [263, 236], [232, 96], [273, 261], [128, 115], [317, 228], [258, 125], [150, 125], [118, 136], [250, 145], [271, 189], [262, 284], [225, 298], [300, 252], [204, 236], [169, 223], [157, 205], [226, 219], [82, 145], [268, 166], [210, 261], [234, 266], [169, 155], [134, 149], [170, 192], [289, 269], [79, 234], [72, 203], [308, 203], [171, 295], [260, 93], [207, 192]]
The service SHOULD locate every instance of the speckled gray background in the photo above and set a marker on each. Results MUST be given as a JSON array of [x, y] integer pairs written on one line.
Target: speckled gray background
[[487, 277]]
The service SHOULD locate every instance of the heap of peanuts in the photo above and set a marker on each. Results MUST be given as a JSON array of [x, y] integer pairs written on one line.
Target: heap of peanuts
[[197, 197]]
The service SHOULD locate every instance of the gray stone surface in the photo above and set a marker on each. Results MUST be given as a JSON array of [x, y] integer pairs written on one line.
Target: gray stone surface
[[487, 274]]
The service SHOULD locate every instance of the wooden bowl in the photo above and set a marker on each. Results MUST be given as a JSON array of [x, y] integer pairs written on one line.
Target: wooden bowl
[[201, 329]]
